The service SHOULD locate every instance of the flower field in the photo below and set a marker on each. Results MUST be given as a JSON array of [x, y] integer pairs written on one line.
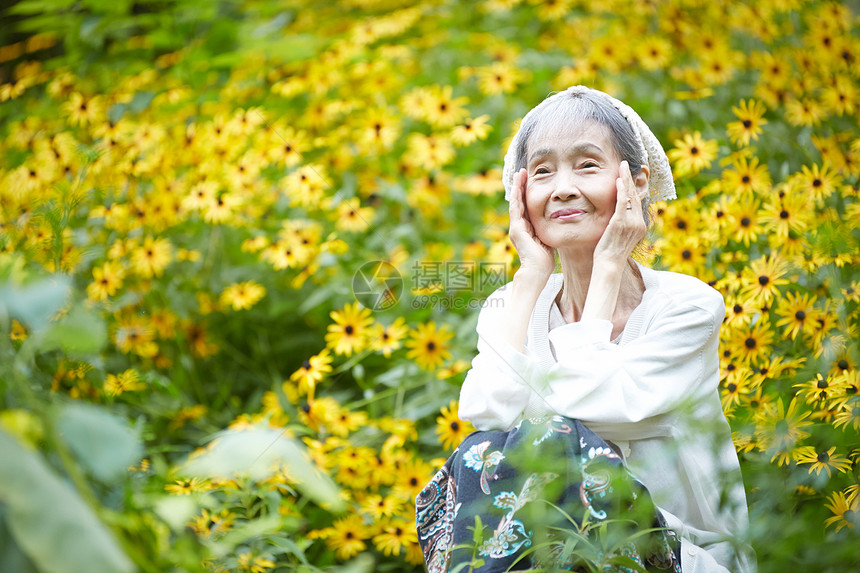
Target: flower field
[[244, 244]]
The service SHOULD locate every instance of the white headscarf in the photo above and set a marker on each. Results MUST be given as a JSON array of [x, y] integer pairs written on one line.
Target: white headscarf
[[660, 180]]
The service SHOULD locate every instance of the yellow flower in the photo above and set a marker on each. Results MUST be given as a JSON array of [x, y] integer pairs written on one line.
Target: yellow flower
[[692, 153], [744, 214], [350, 216], [221, 208], [451, 429], [386, 339], [132, 335], [378, 131], [750, 114], [441, 109], [429, 346], [286, 146], [287, 253], [803, 112], [311, 372], [345, 422], [128, 381], [753, 343], [499, 78], [200, 195], [412, 475], [247, 562], [779, 429], [654, 53], [396, 535], [242, 296], [349, 333], [107, 280], [188, 486], [819, 182], [787, 214], [763, 277], [377, 506], [844, 511], [848, 406], [210, 524], [18, 332], [151, 258], [346, 536], [822, 460], [84, 111], [306, 186], [429, 151], [746, 178], [471, 130], [818, 389], [797, 314]]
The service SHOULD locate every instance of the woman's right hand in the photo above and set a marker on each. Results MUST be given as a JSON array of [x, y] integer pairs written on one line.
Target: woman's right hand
[[535, 256]]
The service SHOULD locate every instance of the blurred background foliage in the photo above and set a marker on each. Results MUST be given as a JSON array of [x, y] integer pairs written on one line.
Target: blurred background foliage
[[201, 372]]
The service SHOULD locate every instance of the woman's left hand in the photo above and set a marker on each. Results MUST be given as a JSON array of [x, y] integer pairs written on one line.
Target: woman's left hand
[[627, 225]]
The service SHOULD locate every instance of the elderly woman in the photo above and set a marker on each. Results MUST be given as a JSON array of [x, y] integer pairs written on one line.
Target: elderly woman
[[600, 380]]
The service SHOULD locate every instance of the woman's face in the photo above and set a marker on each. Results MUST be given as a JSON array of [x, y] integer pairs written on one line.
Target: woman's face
[[571, 188]]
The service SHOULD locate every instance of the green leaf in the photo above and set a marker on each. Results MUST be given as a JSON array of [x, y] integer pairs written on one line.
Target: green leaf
[[258, 452], [80, 331], [248, 531], [39, 6], [286, 545], [103, 442], [12, 557], [140, 101], [176, 511], [50, 521], [363, 563], [627, 563], [35, 303]]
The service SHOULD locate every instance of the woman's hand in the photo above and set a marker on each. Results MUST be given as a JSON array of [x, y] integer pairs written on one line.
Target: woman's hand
[[627, 226], [534, 255]]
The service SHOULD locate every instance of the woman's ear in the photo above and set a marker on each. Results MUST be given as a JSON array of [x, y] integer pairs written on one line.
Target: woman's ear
[[642, 178]]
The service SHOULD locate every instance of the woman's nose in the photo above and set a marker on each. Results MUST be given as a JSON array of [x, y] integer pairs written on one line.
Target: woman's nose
[[565, 186]]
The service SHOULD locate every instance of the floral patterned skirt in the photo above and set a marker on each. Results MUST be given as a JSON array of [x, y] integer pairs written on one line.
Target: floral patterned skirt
[[547, 495]]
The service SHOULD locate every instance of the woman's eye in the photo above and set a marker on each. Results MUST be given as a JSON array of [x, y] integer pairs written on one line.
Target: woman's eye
[[589, 165], [541, 170]]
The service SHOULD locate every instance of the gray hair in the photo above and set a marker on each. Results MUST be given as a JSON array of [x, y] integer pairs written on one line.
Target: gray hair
[[574, 110]]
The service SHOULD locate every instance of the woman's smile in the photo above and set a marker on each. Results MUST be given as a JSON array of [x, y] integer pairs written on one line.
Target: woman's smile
[[567, 214]]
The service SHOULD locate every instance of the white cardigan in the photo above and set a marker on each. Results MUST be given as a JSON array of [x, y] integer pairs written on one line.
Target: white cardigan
[[654, 395]]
